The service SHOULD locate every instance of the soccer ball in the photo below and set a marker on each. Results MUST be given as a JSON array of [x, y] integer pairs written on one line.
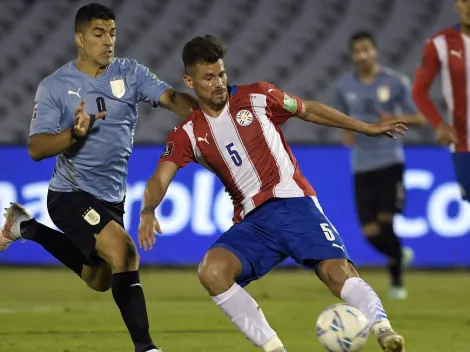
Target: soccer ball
[[342, 328]]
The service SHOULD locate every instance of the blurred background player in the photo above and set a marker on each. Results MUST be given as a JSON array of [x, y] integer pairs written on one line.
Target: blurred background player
[[373, 93], [276, 213], [449, 52], [88, 187]]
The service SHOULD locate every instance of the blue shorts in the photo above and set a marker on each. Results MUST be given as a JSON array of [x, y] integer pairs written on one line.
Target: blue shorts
[[462, 172], [278, 229]]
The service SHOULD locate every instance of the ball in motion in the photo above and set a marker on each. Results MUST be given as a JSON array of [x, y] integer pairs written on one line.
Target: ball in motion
[[342, 328]]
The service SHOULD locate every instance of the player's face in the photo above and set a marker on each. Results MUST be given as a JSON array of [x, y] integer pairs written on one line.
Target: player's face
[[209, 82], [364, 54], [97, 41], [463, 10]]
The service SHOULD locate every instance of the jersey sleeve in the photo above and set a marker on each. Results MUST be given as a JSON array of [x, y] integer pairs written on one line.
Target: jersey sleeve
[[424, 77], [149, 86], [404, 98], [282, 106], [46, 113], [178, 148]]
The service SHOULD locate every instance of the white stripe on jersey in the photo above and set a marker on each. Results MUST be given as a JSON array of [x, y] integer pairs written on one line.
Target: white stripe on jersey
[[466, 43], [287, 187], [189, 129], [231, 148]]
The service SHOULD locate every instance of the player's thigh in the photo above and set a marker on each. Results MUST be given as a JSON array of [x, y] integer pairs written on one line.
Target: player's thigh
[[80, 217], [392, 194], [251, 244], [462, 172], [366, 196], [307, 234]]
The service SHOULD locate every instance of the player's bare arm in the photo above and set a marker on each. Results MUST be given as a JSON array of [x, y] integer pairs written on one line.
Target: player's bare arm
[[417, 120], [178, 102], [321, 114], [155, 190], [46, 145]]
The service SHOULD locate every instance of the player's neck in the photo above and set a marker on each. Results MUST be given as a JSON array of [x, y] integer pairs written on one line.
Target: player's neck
[[367, 76], [465, 29], [90, 68], [211, 110]]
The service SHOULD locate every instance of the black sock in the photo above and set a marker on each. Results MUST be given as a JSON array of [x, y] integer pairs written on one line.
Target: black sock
[[55, 242], [129, 297], [393, 243]]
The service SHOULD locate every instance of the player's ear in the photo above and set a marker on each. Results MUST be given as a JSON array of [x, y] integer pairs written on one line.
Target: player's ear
[[79, 40], [188, 81]]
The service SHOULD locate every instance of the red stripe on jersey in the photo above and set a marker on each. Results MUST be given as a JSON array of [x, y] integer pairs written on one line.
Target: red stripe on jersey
[[458, 80]]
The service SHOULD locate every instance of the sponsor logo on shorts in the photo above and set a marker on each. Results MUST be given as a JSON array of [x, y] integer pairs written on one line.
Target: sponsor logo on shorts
[[92, 217]]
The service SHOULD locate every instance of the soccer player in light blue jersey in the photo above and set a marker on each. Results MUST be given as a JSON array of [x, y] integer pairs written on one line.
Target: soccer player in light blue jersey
[[85, 114], [370, 94]]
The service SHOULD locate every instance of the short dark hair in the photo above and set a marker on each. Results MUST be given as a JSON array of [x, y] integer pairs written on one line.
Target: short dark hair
[[206, 49], [91, 12], [361, 35]]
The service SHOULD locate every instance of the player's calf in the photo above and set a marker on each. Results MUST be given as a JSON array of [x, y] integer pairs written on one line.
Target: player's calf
[[217, 273], [98, 277], [342, 279], [118, 249]]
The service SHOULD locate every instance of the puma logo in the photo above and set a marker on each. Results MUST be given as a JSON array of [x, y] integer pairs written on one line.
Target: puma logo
[[338, 246], [456, 53], [77, 93], [200, 139]]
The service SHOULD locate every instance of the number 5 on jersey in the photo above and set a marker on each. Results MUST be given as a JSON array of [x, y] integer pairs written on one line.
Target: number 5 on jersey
[[237, 160]]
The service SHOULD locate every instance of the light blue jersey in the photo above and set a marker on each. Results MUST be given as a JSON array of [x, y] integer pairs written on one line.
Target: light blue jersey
[[98, 165], [389, 93]]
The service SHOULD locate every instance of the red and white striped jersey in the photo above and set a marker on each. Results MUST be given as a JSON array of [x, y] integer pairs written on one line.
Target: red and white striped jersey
[[244, 146], [448, 52]]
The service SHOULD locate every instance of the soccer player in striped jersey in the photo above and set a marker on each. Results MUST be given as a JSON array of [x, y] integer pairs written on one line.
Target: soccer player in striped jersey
[[236, 135], [448, 53]]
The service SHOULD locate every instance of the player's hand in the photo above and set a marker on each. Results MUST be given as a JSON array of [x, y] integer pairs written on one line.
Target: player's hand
[[445, 134], [83, 122], [147, 227], [388, 127]]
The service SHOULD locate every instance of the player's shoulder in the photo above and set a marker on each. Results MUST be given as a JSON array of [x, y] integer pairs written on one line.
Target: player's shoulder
[[185, 128], [448, 32], [261, 87], [345, 80], [394, 75], [55, 81]]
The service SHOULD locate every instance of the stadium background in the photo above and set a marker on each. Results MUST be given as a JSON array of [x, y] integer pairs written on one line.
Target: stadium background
[[302, 47]]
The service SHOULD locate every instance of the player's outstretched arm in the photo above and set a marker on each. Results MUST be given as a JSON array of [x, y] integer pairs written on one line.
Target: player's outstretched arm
[[155, 190], [180, 103], [321, 114], [46, 145]]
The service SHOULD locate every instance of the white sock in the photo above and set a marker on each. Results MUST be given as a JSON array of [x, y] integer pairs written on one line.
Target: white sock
[[359, 294], [246, 314]]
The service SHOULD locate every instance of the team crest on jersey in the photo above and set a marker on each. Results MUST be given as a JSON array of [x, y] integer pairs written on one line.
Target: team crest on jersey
[[383, 93], [92, 217], [118, 87], [244, 117]]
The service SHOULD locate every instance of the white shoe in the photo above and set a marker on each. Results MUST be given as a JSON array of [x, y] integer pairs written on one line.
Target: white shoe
[[11, 231], [408, 255], [397, 292]]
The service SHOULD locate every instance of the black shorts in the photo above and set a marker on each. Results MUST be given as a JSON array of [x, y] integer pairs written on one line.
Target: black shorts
[[379, 191], [80, 216]]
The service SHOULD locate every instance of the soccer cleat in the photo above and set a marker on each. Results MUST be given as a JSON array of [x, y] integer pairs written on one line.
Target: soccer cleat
[[390, 341], [11, 231], [397, 292]]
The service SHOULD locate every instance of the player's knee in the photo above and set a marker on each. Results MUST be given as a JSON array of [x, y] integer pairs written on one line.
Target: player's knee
[[116, 246], [385, 217], [334, 273], [371, 229], [98, 278], [218, 270]]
